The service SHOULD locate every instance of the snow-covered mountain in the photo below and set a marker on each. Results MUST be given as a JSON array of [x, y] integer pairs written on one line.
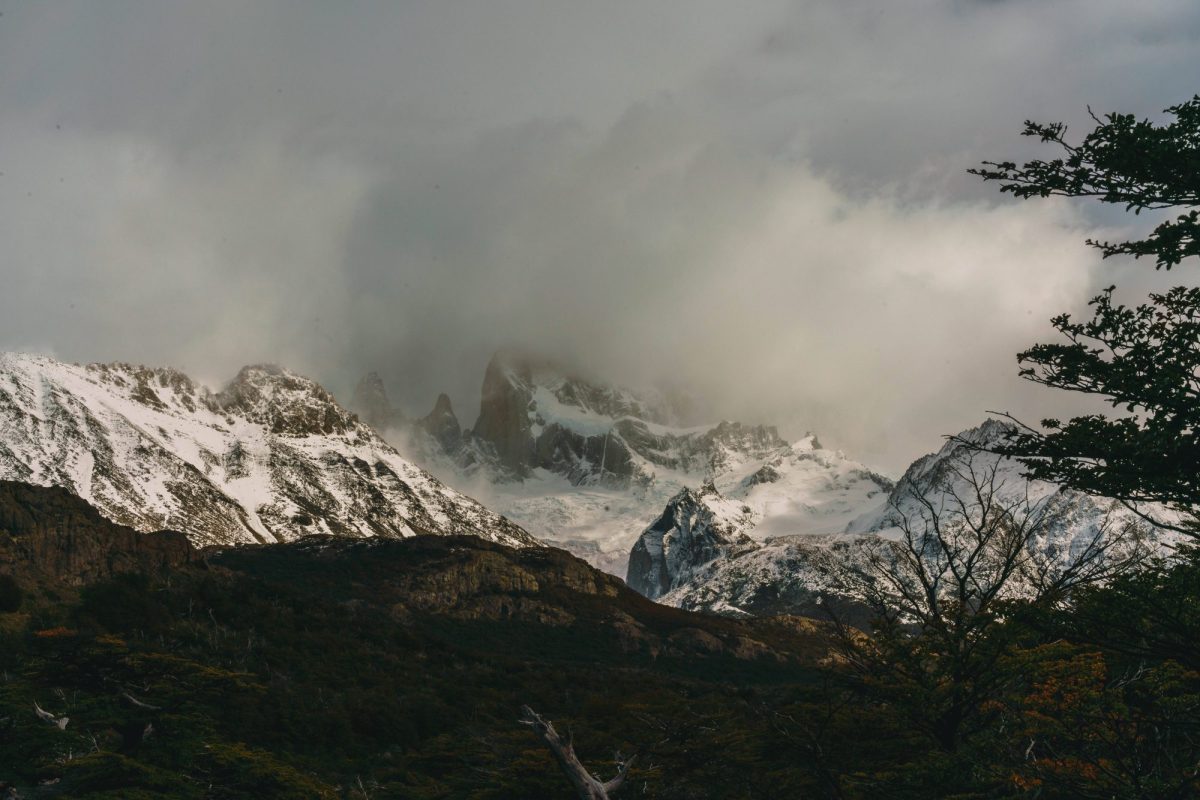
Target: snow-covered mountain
[[584, 464], [270, 457], [694, 529], [705, 568], [799, 489], [1076, 517]]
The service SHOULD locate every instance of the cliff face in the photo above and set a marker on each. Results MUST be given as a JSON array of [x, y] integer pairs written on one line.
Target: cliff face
[[534, 415], [48, 534], [443, 425], [371, 403], [694, 529], [504, 421]]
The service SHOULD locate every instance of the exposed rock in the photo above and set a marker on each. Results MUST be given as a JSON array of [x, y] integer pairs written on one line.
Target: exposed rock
[[694, 529], [284, 402], [536, 415], [792, 574], [442, 425], [504, 423], [49, 535], [586, 464], [370, 402], [466, 578]]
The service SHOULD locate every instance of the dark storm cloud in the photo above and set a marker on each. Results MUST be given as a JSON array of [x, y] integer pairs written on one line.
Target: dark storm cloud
[[767, 201]]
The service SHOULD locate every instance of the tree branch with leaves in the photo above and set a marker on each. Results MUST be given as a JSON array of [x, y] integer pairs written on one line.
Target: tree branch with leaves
[[1143, 360]]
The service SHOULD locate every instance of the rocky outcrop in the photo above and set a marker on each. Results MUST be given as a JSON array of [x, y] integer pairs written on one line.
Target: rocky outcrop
[[587, 464], [695, 528], [283, 402], [468, 579], [504, 424], [792, 574], [51, 540], [370, 401], [443, 425], [48, 535], [536, 415]]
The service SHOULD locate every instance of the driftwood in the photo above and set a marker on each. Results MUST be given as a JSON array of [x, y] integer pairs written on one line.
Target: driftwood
[[586, 785]]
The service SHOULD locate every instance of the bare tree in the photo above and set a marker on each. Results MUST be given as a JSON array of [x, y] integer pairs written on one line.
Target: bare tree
[[586, 785], [972, 541]]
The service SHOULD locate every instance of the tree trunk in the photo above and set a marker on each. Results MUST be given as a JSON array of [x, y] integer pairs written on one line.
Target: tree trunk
[[586, 786]]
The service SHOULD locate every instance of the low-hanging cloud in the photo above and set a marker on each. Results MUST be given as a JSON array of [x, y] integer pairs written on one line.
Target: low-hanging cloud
[[767, 204]]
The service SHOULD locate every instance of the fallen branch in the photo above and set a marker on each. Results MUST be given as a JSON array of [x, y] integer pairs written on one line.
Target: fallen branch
[[587, 786], [58, 722], [139, 703]]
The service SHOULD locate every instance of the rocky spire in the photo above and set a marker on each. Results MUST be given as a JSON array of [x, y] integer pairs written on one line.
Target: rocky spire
[[371, 403], [442, 424], [504, 411]]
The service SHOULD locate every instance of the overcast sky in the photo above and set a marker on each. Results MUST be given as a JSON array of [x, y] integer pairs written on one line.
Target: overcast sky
[[766, 201]]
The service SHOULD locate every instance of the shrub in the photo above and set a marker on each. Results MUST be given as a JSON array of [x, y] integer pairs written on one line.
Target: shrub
[[10, 594]]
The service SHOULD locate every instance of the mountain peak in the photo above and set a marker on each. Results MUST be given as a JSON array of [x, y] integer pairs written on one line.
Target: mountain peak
[[442, 424], [694, 528], [284, 401], [370, 401], [271, 457]]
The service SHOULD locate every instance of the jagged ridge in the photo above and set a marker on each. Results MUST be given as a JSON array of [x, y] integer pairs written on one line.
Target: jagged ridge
[[789, 574], [585, 464], [271, 457]]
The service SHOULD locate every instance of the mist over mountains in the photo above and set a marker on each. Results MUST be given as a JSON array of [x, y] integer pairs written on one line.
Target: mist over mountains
[[687, 193]]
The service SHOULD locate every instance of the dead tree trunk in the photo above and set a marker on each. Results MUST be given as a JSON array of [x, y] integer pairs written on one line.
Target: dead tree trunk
[[587, 786]]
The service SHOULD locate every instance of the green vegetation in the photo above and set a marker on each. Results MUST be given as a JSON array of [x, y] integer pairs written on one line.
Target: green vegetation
[[1128, 162], [1145, 360], [284, 672], [281, 672], [10, 594]]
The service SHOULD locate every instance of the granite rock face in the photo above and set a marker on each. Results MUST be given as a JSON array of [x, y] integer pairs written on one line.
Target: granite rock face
[[371, 403], [535, 415], [695, 528], [443, 425]]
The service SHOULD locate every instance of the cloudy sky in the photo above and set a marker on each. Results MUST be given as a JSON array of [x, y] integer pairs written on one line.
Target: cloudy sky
[[766, 201]]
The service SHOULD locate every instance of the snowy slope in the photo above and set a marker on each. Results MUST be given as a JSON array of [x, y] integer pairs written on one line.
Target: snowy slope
[[1077, 516], [269, 458], [780, 575], [586, 465], [796, 490], [788, 573]]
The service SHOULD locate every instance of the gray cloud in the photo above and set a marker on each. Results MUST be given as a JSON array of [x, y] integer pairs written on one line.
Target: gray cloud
[[767, 202]]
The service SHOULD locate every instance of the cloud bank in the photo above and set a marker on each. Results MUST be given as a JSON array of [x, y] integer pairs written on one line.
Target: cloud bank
[[768, 204]]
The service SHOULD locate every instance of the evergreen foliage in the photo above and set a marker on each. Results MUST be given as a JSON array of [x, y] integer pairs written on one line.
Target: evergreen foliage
[[1135, 164], [1144, 360]]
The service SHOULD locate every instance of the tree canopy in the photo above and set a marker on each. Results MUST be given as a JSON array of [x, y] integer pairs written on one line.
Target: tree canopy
[[1143, 360], [1137, 164]]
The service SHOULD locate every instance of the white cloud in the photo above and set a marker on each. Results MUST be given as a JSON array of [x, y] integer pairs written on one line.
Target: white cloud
[[768, 200]]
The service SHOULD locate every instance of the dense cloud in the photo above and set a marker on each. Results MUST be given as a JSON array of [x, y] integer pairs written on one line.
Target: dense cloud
[[766, 202]]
